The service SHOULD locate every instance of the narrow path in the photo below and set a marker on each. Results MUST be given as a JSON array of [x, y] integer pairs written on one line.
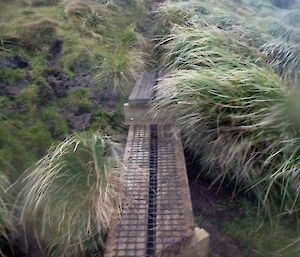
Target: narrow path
[[157, 219]]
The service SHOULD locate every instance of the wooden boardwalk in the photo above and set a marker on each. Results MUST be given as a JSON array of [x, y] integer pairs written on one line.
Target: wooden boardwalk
[[142, 93], [157, 217]]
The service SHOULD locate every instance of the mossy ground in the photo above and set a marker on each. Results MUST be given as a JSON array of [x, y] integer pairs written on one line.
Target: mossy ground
[[99, 42], [237, 228]]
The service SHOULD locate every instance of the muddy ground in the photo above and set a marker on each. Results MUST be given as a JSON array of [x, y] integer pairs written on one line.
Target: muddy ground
[[212, 207], [205, 202]]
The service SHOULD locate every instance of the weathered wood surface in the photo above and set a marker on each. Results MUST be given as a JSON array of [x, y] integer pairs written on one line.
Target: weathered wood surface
[[157, 218], [143, 90]]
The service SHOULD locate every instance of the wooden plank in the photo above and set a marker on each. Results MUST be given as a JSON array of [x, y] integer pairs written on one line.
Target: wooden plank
[[143, 89], [175, 223], [128, 235]]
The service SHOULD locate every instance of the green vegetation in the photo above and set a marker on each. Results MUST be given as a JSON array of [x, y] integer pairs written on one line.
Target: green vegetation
[[231, 81], [65, 66], [59, 126], [72, 194], [242, 120], [16, 137], [227, 99], [79, 99], [260, 236], [255, 235], [46, 49], [231, 75], [11, 75], [263, 238], [3, 203]]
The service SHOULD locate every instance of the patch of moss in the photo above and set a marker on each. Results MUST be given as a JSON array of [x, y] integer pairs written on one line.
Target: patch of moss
[[278, 238], [79, 99], [38, 63], [5, 103], [11, 75], [38, 34], [55, 121], [21, 144], [29, 95], [110, 124]]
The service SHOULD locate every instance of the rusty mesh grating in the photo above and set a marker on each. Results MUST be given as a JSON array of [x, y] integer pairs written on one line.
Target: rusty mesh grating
[[155, 217], [131, 232], [170, 218]]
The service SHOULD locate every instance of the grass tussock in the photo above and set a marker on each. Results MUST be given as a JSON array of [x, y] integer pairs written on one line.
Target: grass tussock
[[285, 59], [71, 195], [242, 121], [4, 183], [120, 68], [236, 114], [35, 35], [38, 3], [206, 47], [174, 13], [91, 44]]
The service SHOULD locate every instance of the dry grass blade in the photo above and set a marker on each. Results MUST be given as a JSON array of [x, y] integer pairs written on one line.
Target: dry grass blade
[[174, 13], [4, 184], [71, 195], [197, 47], [285, 58], [241, 120]]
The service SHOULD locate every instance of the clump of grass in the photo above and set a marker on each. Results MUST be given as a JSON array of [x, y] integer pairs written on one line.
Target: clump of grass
[[55, 122], [287, 28], [112, 49], [40, 2], [3, 204], [174, 13], [285, 59], [287, 33], [292, 18], [79, 99], [38, 34], [71, 195], [120, 68], [11, 75], [194, 47], [241, 120], [18, 135]]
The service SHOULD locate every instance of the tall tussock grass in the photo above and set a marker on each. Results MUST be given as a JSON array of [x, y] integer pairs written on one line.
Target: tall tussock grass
[[232, 70], [174, 12], [118, 53], [204, 46], [70, 196], [242, 121], [285, 59], [4, 184], [120, 68]]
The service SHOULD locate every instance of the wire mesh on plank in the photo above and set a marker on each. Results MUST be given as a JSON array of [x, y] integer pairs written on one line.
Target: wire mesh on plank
[[131, 232]]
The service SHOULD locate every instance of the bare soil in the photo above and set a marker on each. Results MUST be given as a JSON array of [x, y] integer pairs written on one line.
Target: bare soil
[[213, 206], [206, 206]]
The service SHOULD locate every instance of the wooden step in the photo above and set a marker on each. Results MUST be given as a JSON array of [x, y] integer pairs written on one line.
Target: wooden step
[[143, 90]]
